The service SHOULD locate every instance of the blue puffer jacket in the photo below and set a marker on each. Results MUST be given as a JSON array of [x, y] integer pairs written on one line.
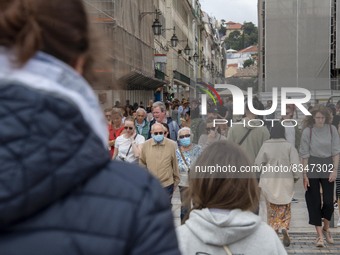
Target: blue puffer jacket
[[61, 194]]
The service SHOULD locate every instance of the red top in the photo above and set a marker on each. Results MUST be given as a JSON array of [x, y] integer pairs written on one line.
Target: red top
[[113, 134]]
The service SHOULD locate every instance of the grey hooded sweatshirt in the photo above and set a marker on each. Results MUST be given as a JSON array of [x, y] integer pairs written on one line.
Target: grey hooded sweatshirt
[[208, 230]]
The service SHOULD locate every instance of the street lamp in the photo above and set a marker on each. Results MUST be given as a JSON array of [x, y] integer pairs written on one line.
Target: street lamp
[[187, 49], [174, 39], [156, 25], [195, 57]]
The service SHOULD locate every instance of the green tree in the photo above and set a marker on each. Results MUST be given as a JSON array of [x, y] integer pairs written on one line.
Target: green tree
[[234, 40], [248, 62], [250, 32], [238, 41]]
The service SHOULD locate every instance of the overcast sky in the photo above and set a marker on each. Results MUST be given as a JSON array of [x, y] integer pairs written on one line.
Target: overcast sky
[[231, 10]]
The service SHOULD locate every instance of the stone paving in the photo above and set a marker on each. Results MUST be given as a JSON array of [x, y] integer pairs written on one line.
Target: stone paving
[[302, 234]]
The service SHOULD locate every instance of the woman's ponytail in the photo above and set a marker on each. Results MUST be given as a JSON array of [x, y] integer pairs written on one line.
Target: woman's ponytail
[[19, 29]]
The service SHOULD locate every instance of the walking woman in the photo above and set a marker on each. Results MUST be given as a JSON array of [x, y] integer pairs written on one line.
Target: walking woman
[[128, 145], [319, 150], [117, 127], [222, 219], [186, 154], [278, 186]]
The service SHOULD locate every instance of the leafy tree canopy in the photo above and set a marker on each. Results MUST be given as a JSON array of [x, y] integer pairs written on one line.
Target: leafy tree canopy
[[237, 40]]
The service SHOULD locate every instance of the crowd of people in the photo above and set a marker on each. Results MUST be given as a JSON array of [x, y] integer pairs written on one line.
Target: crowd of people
[[72, 183], [264, 145]]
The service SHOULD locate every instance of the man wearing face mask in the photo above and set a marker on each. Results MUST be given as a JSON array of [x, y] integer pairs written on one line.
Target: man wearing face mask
[[187, 154], [158, 155]]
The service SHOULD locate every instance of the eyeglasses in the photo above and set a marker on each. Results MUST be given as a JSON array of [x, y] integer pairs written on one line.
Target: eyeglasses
[[158, 133], [107, 116], [182, 136], [211, 128], [130, 128]]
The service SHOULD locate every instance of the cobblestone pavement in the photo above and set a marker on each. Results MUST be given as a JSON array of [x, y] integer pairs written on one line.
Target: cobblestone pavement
[[302, 234], [303, 243]]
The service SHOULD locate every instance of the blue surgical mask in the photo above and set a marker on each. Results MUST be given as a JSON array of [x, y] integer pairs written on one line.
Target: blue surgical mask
[[158, 138], [185, 142]]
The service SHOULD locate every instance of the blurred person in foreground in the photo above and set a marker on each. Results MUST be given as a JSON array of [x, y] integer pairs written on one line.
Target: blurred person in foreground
[[222, 219], [63, 194]]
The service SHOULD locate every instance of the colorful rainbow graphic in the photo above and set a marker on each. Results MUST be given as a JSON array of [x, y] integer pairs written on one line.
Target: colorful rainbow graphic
[[208, 89]]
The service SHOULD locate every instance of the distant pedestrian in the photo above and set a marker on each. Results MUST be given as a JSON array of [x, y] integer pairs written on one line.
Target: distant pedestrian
[[159, 157], [212, 135], [142, 125], [128, 145], [117, 127], [186, 153], [108, 116], [250, 133], [222, 219], [320, 148], [278, 186], [159, 116]]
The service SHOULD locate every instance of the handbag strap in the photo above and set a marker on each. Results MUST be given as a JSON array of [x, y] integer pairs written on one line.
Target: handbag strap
[[130, 146], [186, 163], [244, 137], [227, 250]]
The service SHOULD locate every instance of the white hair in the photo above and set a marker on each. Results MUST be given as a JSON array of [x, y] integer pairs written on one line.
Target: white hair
[[182, 130], [141, 110]]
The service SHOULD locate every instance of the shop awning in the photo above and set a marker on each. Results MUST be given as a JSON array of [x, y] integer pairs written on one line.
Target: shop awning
[[137, 80]]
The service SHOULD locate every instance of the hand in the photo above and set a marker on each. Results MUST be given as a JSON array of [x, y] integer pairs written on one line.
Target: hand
[[305, 182], [332, 176], [111, 143]]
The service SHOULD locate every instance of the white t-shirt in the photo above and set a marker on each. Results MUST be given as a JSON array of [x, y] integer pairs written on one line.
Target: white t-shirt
[[122, 144]]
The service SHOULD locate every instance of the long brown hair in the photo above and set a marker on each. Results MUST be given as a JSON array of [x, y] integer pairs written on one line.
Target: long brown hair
[[229, 191], [59, 28], [309, 120]]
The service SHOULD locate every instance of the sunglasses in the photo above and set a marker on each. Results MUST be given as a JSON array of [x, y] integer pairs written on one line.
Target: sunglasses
[[182, 136], [158, 133], [130, 128], [212, 128]]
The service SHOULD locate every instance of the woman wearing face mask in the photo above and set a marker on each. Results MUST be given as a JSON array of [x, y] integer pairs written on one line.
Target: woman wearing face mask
[[186, 155], [129, 144]]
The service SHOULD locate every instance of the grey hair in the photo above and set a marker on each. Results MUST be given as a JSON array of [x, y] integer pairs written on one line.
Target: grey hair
[[141, 110], [153, 127], [159, 104], [184, 129], [117, 111]]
